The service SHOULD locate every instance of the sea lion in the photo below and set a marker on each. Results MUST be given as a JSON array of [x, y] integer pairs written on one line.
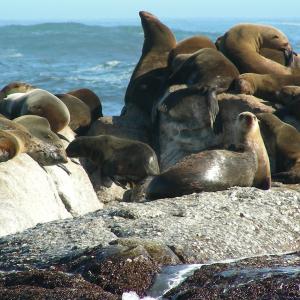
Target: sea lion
[[283, 145], [124, 161], [149, 74], [43, 152], [242, 43], [185, 128], [39, 127], [208, 70], [16, 87], [80, 113], [37, 102], [292, 61], [189, 46], [90, 99], [10, 145], [265, 86], [216, 170]]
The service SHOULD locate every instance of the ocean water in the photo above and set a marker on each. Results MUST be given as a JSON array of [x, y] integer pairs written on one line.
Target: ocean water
[[99, 55]]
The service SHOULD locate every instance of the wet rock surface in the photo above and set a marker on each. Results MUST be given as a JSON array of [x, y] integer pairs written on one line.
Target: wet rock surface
[[266, 277]]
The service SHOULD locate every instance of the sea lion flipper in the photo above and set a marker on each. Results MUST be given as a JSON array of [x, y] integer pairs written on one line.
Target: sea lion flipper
[[212, 104], [286, 177], [64, 168]]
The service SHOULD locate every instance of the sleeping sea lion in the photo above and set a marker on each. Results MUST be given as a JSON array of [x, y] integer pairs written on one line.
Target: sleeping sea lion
[[218, 169], [242, 44], [37, 102], [123, 160]]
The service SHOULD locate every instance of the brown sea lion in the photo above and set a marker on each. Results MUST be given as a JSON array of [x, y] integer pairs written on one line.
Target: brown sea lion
[[123, 160], [242, 43], [10, 144], [292, 61], [264, 86], [37, 102], [149, 74], [283, 145], [80, 113], [189, 46], [91, 100], [218, 169]]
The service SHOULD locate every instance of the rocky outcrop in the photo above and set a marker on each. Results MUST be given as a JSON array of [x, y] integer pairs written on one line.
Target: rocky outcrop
[[30, 194], [266, 277]]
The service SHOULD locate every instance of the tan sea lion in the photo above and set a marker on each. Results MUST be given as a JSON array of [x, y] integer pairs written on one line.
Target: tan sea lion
[[16, 87], [242, 44], [10, 144], [80, 113], [90, 99], [264, 86], [43, 148], [283, 145], [123, 160], [189, 46], [39, 127], [37, 102], [149, 74], [218, 169]]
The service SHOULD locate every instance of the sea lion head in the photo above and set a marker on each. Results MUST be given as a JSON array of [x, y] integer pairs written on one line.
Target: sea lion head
[[17, 87], [156, 33], [275, 39], [10, 145]]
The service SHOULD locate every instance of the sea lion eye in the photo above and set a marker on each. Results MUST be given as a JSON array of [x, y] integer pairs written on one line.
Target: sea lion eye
[[275, 37]]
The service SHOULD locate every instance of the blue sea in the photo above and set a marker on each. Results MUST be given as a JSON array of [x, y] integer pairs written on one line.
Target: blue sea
[[99, 55]]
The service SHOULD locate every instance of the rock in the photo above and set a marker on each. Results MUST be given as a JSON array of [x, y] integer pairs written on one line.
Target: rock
[[27, 196], [266, 277], [198, 228], [38, 284]]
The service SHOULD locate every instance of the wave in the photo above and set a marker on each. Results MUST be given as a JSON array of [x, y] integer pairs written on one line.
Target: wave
[[10, 53]]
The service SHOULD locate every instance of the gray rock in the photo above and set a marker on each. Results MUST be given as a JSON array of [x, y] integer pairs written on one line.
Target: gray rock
[[239, 222]]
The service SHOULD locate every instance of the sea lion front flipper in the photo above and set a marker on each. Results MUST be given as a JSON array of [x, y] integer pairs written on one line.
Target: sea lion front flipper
[[212, 104], [286, 177], [63, 137], [64, 168]]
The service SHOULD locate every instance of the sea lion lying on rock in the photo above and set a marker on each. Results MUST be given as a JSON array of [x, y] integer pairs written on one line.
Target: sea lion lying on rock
[[37, 102], [242, 44], [124, 161], [218, 169]]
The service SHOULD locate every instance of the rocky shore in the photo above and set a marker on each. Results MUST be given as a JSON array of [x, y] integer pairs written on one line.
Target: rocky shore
[[124, 246]]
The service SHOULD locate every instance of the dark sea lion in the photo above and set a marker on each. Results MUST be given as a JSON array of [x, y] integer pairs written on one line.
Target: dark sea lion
[[39, 127], [149, 74], [283, 145], [123, 160], [189, 46], [207, 70], [90, 99], [217, 169], [37, 102], [242, 44], [80, 113]]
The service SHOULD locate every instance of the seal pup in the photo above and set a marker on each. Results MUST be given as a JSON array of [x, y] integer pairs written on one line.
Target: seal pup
[[242, 44], [216, 170], [122, 160], [37, 102], [149, 74], [283, 145]]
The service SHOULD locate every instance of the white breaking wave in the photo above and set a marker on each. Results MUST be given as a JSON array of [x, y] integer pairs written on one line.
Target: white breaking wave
[[134, 296], [106, 66]]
